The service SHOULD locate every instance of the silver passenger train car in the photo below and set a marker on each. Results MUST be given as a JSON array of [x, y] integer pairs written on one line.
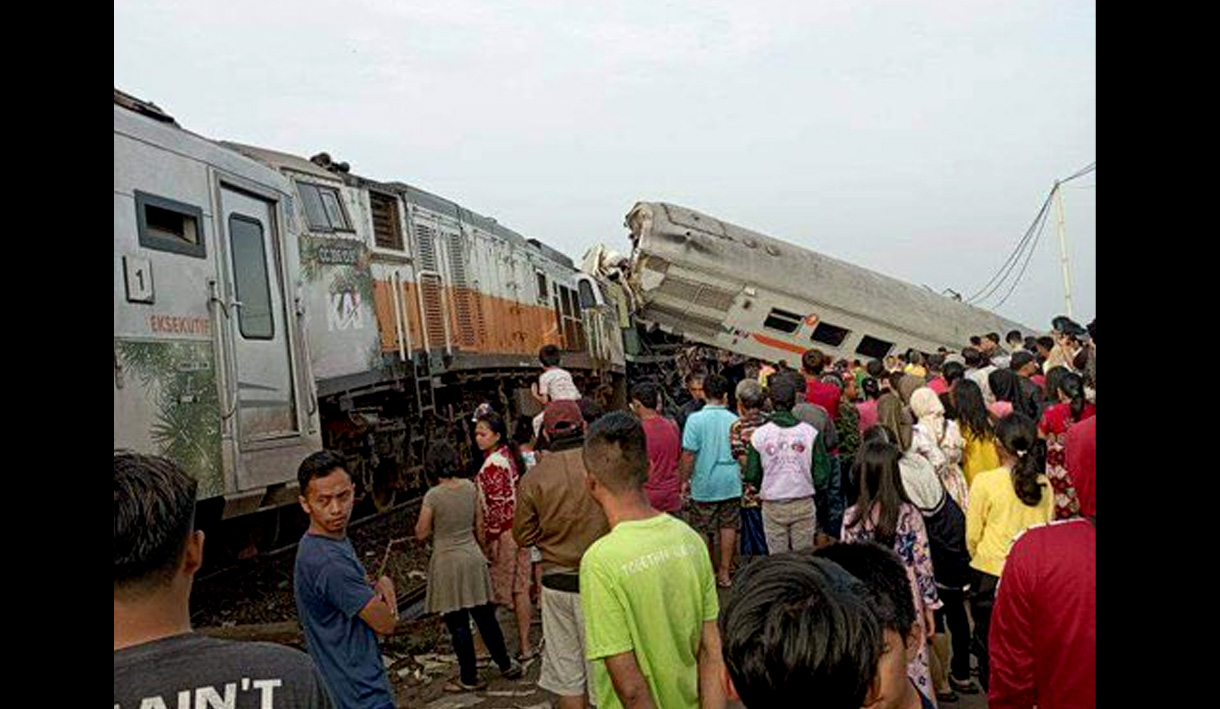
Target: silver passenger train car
[[721, 285]]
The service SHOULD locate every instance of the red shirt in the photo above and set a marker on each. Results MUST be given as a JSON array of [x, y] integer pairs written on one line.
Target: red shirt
[[497, 480], [1043, 630], [664, 448], [939, 385], [1080, 453], [824, 395]]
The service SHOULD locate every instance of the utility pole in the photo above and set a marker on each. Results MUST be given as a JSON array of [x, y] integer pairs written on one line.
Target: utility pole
[[1063, 253]]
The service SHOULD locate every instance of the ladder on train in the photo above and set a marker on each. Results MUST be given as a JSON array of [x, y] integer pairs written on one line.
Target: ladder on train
[[425, 406]]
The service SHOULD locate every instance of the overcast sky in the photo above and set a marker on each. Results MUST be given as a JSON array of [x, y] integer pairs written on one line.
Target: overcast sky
[[916, 139]]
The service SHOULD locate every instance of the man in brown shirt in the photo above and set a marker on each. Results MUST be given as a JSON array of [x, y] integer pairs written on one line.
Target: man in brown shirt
[[555, 513]]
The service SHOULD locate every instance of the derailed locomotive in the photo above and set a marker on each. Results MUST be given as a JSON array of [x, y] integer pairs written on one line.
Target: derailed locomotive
[[266, 305]]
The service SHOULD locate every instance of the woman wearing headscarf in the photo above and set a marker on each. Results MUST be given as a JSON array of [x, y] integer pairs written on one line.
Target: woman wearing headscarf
[[933, 430]]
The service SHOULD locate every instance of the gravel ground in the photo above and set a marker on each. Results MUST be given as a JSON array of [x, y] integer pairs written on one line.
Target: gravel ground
[[260, 590]]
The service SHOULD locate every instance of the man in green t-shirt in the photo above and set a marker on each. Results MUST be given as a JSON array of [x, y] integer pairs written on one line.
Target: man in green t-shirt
[[647, 591]]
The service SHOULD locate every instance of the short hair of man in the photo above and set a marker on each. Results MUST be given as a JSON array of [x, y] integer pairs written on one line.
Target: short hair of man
[[889, 590], [695, 375], [1046, 342], [953, 371], [796, 628], [716, 387], [975, 340], [813, 361], [750, 394], [646, 394], [875, 368], [783, 392], [616, 452], [974, 358], [1020, 359], [549, 355], [154, 512], [1014, 335], [319, 465], [993, 336]]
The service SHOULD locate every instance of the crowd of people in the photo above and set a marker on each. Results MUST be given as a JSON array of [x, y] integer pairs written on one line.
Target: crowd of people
[[886, 534]]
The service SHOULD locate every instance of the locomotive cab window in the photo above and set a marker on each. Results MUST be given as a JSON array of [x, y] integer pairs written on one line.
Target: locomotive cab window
[[167, 225], [782, 320], [323, 208], [873, 347], [250, 278], [832, 335]]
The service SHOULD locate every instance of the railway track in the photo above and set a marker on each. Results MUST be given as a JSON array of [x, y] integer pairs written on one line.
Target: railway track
[[260, 590]]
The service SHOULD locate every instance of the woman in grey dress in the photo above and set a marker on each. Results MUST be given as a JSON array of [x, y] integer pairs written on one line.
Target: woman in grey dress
[[459, 586]]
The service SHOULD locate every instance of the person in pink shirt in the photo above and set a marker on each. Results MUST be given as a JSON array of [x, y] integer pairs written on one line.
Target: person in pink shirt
[[664, 443], [868, 407]]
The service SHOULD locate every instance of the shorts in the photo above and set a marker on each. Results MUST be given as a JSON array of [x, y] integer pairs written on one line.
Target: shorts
[[709, 517], [510, 569], [565, 671]]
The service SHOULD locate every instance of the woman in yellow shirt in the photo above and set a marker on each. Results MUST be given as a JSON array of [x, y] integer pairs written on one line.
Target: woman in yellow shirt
[[1003, 503], [979, 451]]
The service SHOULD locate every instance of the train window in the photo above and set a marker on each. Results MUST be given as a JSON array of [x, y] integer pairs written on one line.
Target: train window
[[587, 298], [544, 294], [387, 229], [167, 225], [873, 347], [832, 335], [323, 208], [782, 320], [250, 278]]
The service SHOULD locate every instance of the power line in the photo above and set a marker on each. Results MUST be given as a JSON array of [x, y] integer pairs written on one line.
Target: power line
[[1028, 255], [997, 280]]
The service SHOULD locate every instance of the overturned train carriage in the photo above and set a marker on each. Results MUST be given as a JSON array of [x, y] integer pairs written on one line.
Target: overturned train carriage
[[267, 305], [718, 284]]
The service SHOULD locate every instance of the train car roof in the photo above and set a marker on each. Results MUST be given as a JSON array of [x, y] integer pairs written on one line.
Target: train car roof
[[687, 236], [145, 121], [411, 193], [285, 161]]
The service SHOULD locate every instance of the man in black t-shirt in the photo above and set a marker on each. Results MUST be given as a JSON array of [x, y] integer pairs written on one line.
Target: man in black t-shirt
[[158, 661]]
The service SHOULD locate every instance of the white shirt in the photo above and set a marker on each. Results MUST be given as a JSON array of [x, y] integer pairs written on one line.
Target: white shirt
[[557, 385]]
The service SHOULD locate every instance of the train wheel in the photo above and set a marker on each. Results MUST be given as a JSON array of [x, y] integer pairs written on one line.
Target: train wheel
[[383, 490]]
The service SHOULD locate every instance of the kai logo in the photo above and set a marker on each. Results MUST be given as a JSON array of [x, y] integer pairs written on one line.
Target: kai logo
[[344, 312]]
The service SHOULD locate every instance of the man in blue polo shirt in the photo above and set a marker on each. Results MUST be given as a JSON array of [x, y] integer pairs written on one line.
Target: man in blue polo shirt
[[340, 612], [710, 475]]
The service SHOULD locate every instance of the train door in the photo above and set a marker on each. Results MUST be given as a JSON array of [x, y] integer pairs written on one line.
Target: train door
[[261, 366]]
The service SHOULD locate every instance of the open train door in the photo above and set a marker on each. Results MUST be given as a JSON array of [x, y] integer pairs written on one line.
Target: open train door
[[264, 389]]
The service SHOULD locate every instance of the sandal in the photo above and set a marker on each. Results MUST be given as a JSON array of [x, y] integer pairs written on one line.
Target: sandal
[[965, 686], [457, 685]]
